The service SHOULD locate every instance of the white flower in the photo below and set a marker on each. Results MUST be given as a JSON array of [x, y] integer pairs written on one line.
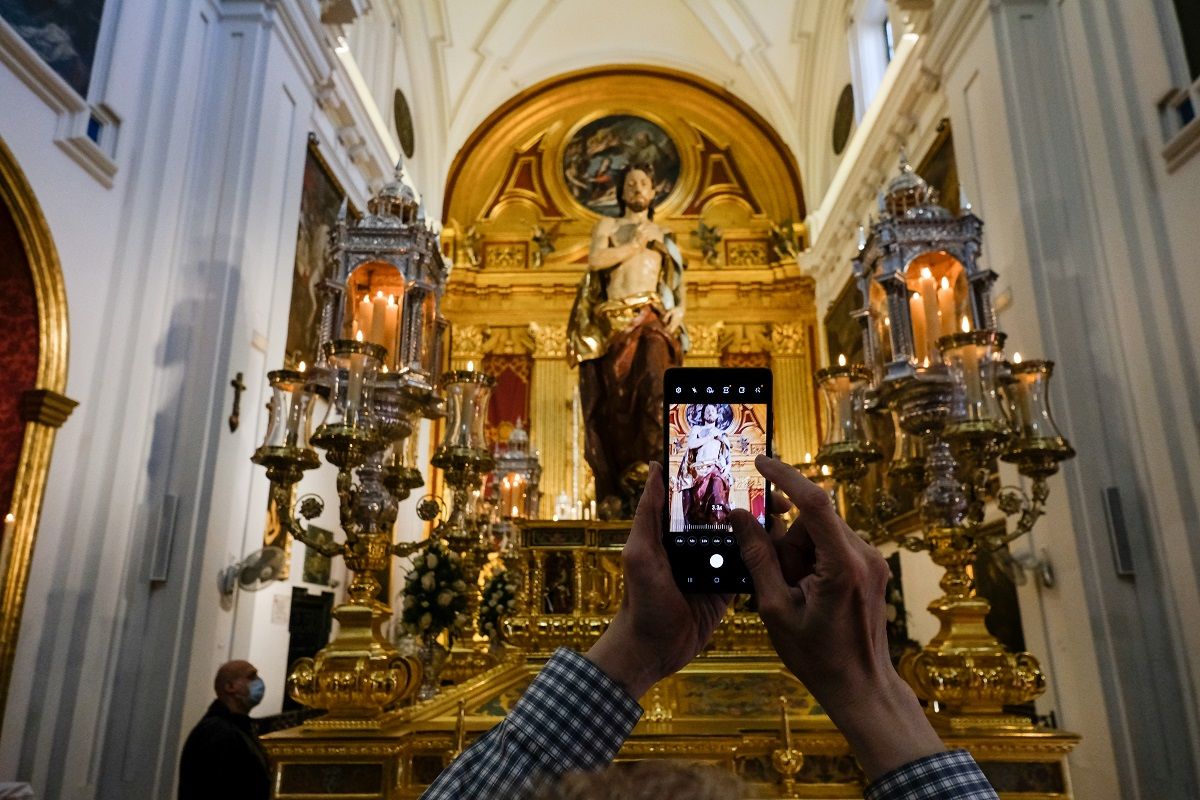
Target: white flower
[[444, 598], [431, 560], [459, 586], [454, 559], [409, 602], [511, 604], [425, 621], [428, 582], [492, 603]]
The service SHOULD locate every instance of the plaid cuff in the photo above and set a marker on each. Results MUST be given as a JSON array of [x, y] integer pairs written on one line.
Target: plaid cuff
[[572, 717], [952, 775]]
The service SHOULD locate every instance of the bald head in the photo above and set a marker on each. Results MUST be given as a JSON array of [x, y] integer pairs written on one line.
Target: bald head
[[233, 685]]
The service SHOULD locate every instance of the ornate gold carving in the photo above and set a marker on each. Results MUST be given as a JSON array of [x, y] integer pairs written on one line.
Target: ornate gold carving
[[47, 407], [706, 339], [30, 483], [742, 253], [505, 256], [788, 339], [466, 341], [549, 341]]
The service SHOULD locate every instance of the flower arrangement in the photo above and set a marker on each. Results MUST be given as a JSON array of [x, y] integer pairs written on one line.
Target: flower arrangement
[[499, 600], [435, 592]]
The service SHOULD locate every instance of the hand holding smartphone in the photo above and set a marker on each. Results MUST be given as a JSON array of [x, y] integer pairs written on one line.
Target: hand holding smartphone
[[716, 421]]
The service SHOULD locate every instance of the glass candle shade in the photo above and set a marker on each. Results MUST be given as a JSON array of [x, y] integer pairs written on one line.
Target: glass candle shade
[[467, 393], [970, 359], [845, 444], [908, 457], [285, 450], [291, 409], [1036, 436], [350, 429]]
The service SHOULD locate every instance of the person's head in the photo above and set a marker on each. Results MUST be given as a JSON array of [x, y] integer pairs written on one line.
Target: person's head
[[646, 780], [238, 686], [717, 414], [636, 184]]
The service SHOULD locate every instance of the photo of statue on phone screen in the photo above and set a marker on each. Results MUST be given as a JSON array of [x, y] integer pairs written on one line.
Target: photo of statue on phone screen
[[712, 448]]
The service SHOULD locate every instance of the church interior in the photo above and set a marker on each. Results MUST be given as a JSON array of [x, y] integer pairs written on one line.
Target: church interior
[[308, 318]]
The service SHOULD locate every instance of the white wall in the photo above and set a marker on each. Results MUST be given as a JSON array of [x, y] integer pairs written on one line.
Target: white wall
[[178, 275]]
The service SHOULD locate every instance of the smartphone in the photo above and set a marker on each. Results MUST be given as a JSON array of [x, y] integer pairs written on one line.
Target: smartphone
[[716, 420]]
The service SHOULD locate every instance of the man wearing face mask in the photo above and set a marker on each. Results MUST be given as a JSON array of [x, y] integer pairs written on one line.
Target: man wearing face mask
[[222, 757]]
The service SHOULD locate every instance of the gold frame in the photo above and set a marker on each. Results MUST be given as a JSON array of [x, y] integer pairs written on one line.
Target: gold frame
[[44, 409]]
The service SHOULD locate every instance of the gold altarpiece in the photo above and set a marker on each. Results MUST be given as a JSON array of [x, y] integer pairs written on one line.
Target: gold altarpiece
[[518, 238]]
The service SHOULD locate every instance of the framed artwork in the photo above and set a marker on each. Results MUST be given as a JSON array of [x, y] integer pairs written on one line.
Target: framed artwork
[[320, 200], [598, 151], [63, 33]]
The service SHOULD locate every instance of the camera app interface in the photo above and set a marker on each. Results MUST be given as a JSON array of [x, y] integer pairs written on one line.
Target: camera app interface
[[711, 450]]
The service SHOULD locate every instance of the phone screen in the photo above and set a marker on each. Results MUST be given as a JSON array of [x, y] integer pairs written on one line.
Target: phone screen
[[716, 421]]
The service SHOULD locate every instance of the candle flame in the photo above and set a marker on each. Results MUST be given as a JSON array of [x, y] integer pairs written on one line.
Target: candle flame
[[916, 296], [514, 511], [367, 297], [925, 273], [966, 324], [302, 366], [887, 322], [392, 299], [926, 363], [945, 283], [358, 336], [826, 470], [807, 457], [470, 366], [9, 518], [1017, 358], [841, 359], [379, 293], [385, 369]]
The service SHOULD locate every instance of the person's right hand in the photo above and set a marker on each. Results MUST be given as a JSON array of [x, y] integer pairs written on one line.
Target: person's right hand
[[820, 591]]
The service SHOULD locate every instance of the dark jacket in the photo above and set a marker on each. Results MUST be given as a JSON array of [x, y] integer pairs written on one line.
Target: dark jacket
[[223, 759]]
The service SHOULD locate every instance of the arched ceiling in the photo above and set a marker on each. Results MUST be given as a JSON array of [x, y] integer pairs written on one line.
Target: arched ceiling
[[465, 58]]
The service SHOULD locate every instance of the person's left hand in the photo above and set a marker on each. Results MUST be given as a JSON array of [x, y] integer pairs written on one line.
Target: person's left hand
[[658, 628]]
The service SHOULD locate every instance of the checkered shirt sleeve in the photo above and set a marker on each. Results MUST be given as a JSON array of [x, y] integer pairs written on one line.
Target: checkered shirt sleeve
[[952, 775], [572, 717]]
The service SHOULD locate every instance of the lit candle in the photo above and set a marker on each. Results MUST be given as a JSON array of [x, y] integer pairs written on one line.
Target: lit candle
[[301, 367], [966, 324], [10, 523], [929, 299], [841, 359], [358, 363], [578, 509], [807, 457], [514, 511], [362, 318], [945, 302], [378, 319], [592, 508], [391, 322], [916, 308], [470, 366], [1016, 357]]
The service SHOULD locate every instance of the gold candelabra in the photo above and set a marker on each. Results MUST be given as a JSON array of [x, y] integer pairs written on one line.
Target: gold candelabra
[[935, 365]]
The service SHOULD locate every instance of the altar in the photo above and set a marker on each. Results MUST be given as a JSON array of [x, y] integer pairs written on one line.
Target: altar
[[724, 708]]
